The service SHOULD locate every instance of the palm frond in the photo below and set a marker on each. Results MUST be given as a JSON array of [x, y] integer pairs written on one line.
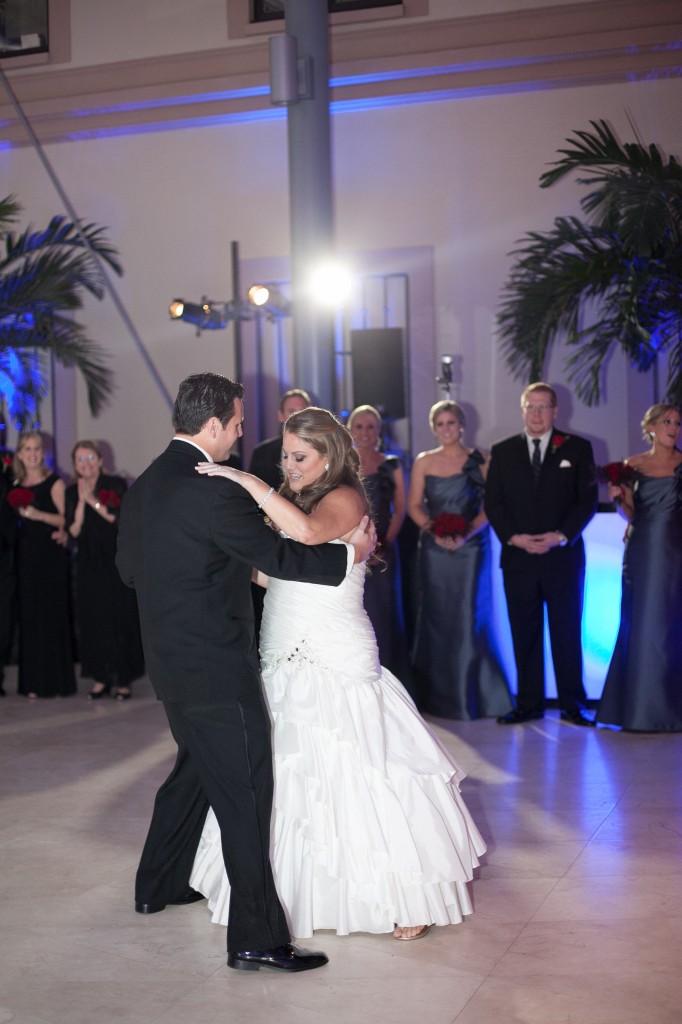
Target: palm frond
[[9, 211], [22, 382], [42, 277], [70, 346], [615, 281]]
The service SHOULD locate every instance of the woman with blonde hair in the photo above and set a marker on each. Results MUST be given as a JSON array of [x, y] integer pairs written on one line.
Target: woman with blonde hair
[[642, 692], [459, 673], [43, 584], [370, 832]]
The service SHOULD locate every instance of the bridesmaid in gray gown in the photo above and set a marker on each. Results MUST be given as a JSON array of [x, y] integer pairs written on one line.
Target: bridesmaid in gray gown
[[643, 688], [454, 651]]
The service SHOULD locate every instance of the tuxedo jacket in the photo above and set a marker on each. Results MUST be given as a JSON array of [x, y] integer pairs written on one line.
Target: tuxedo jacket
[[266, 461], [564, 498], [187, 544]]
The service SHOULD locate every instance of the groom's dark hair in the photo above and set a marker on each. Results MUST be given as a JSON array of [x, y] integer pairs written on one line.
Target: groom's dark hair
[[202, 396]]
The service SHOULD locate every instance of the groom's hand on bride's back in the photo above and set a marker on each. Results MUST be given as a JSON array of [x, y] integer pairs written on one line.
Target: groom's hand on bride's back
[[364, 539]]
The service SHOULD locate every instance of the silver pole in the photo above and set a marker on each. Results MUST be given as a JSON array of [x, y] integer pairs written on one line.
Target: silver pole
[[310, 197]]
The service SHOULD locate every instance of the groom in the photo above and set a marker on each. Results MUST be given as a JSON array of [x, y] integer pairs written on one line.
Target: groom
[[187, 545], [540, 494]]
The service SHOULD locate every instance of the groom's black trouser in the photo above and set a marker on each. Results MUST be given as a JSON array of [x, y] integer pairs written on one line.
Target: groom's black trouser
[[224, 760]]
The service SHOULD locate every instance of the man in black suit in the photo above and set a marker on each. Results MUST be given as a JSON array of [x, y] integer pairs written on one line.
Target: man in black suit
[[266, 457], [541, 493], [187, 544]]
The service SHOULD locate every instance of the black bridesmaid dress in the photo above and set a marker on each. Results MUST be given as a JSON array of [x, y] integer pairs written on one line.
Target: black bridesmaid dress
[[45, 649], [109, 640], [643, 688], [454, 652]]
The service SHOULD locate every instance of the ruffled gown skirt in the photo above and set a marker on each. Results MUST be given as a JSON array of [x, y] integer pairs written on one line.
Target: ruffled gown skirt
[[369, 828]]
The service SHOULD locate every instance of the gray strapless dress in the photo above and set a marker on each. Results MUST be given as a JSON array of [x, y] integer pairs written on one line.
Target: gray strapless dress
[[454, 650], [643, 688]]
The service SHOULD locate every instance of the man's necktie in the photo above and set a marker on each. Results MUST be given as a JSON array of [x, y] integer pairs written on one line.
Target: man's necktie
[[536, 461]]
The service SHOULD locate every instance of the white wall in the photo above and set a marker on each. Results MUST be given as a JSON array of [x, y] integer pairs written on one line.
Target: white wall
[[458, 176]]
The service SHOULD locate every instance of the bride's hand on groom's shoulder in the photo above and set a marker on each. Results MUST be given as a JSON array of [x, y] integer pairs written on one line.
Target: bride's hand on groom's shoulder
[[218, 469]]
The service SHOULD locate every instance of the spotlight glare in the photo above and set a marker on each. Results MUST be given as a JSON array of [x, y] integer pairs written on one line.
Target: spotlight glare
[[330, 284], [176, 309]]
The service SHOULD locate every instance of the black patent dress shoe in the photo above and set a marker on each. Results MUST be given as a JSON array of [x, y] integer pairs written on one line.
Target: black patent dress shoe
[[578, 717], [516, 717], [191, 896], [281, 958]]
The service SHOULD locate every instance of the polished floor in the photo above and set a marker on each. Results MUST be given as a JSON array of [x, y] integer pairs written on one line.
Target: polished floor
[[578, 903]]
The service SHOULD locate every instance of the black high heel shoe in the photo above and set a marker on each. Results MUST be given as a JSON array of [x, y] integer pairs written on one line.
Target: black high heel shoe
[[96, 694]]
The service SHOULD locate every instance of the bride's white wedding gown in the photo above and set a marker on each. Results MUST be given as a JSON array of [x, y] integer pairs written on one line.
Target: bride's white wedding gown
[[369, 828]]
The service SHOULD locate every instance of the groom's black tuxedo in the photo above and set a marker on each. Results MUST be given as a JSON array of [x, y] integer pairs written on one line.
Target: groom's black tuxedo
[[563, 500], [187, 544]]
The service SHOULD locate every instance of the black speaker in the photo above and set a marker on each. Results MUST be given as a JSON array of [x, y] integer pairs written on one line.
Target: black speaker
[[378, 374]]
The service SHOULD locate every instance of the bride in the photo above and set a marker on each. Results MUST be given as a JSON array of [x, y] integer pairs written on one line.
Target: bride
[[370, 832]]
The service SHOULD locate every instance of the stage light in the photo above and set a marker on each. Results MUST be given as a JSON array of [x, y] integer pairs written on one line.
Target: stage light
[[269, 300], [207, 316]]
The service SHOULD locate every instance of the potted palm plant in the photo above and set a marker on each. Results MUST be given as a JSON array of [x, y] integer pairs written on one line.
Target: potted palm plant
[[43, 275], [613, 279]]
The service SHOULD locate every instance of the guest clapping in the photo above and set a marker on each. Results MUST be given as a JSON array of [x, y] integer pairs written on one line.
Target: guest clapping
[[109, 642], [454, 650], [45, 652], [642, 692]]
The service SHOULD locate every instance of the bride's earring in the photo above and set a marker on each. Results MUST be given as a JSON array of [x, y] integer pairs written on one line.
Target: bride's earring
[[326, 466]]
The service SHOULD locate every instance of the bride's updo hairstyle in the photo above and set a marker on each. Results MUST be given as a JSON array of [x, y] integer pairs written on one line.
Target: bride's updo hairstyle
[[322, 431]]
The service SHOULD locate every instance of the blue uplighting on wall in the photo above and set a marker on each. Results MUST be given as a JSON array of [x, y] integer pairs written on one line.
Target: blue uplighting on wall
[[343, 106], [174, 101]]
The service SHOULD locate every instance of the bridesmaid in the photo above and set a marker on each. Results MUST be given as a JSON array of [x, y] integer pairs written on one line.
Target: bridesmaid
[[109, 641], [45, 651], [384, 483], [454, 652], [642, 692]]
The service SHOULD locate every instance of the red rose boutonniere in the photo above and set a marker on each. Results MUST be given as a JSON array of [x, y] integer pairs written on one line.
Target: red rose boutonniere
[[616, 473], [558, 440], [448, 524], [21, 497], [7, 460], [109, 498]]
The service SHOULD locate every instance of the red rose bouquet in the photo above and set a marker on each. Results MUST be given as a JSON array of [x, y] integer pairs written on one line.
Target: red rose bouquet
[[449, 524], [109, 498], [21, 497], [616, 473]]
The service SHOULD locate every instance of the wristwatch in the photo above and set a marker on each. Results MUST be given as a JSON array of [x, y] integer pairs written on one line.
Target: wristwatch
[[563, 539]]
